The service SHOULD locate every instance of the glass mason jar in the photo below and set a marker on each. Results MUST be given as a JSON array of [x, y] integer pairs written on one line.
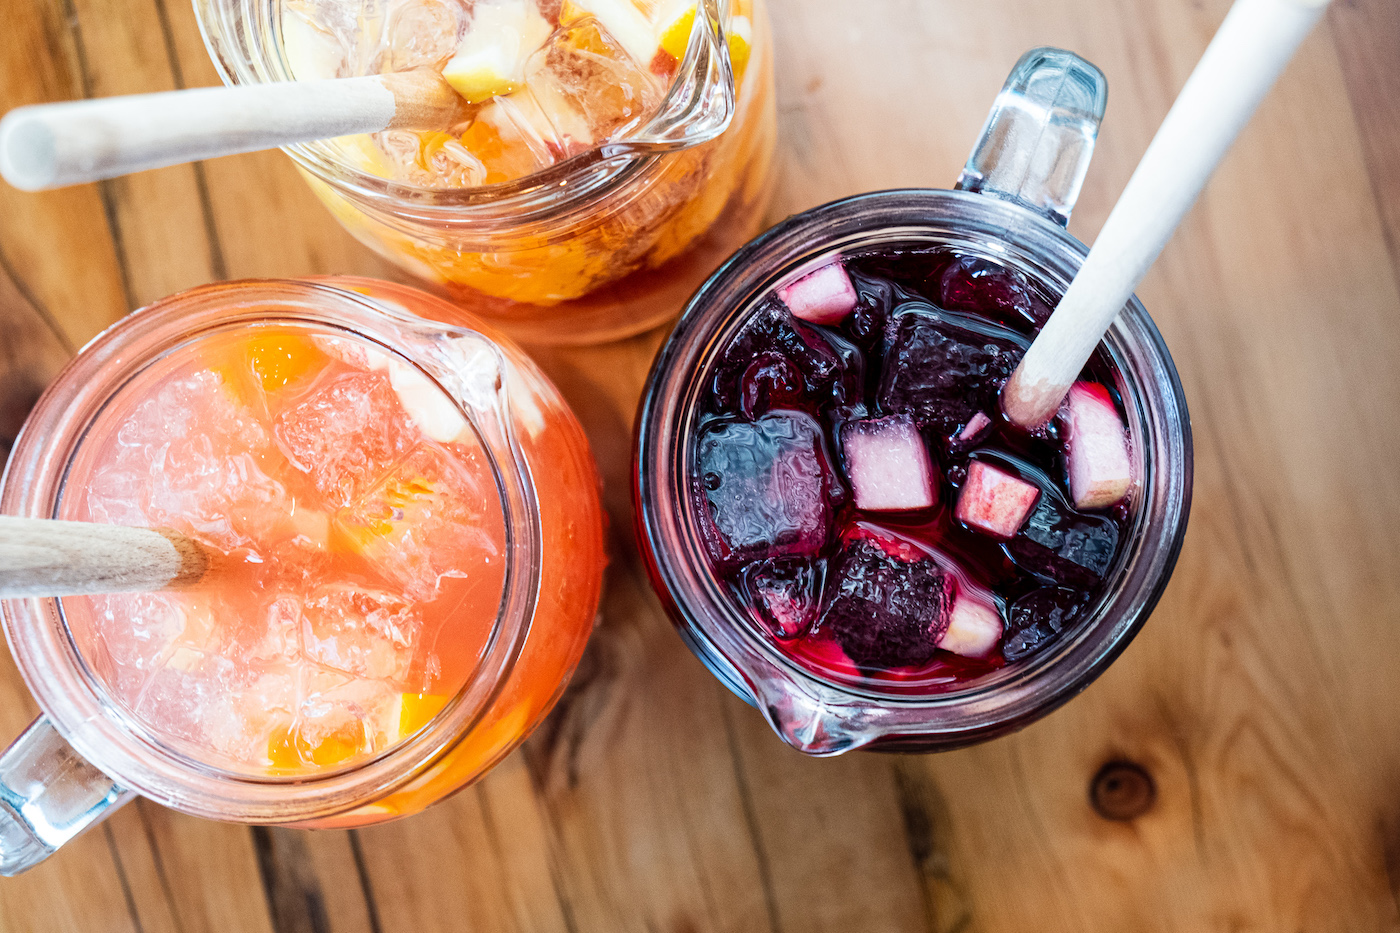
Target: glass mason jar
[[89, 751], [1016, 193], [604, 244]]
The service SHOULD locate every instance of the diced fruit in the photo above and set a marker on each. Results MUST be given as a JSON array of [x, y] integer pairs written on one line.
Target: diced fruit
[[1066, 546], [974, 627], [1038, 617], [625, 22], [312, 52], [994, 501], [428, 406], [280, 359], [416, 710], [490, 62], [825, 296], [944, 367], [1096, 447], [979, 423], [888, 464], [766, 486], [786, 594], [507, 148], [740, 40], [888, 601], [675, 38]]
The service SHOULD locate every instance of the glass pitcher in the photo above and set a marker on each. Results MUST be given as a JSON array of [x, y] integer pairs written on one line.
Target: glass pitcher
[[95, 747], [605, 243], [1011, 204]]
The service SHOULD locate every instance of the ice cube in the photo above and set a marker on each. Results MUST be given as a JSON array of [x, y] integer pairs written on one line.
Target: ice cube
[[422, 34], [1064, 545], [777, 358], [585, 81], [628, 22], [437, 514], [1038, 617], [137, 629], [767, 487], [888, 601], [360, 631], [339, 718], [971, 283], [785, 593], [943, 367], [346, 435], [313, 53], [188, 693], [190, 456]]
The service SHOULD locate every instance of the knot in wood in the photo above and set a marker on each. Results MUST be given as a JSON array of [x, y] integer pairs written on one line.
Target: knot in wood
[[1122, 791]]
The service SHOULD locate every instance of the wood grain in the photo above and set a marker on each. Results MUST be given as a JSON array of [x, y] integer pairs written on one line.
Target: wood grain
[[1261, 699]]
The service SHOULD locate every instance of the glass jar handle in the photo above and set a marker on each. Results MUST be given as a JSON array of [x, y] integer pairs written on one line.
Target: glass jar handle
[[1036, 145], [48, 795]]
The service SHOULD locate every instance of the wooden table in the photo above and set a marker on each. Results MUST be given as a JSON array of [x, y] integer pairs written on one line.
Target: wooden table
[[1263, 699]]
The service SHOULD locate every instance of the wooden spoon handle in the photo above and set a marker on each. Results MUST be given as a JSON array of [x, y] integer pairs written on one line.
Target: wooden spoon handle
[[52, 145], [1241, 64], [47, 557]]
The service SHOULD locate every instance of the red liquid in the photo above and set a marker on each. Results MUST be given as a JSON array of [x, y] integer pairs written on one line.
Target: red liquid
[[860, 595]]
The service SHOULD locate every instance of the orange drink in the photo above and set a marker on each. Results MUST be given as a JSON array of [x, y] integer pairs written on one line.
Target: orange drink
[[406, 542], [613, 152]]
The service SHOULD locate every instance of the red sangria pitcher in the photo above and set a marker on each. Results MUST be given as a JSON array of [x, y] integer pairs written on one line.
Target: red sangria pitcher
[[839, 519]]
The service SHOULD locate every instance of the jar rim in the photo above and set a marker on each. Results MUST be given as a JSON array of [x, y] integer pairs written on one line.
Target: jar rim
[[710, 619], [53, 667]]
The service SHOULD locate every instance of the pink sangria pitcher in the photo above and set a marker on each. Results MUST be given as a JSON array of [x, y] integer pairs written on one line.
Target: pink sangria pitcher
[[408, 553]]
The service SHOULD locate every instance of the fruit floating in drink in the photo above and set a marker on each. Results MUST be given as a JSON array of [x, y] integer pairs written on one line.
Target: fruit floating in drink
[[391, 540], [861, 495], [590, 188]]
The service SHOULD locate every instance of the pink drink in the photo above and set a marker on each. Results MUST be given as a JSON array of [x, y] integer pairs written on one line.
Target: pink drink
[[359, 533]]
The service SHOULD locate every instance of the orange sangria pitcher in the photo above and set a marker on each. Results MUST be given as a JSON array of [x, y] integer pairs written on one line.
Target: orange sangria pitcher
[[614, 152], [407, 550]]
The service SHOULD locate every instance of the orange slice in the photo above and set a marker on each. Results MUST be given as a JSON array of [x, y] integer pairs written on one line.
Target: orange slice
[[278, 360]]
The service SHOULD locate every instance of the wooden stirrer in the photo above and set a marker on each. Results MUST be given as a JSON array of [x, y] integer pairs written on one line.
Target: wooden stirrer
[[52, 145], [1242, 62], [47, 557]]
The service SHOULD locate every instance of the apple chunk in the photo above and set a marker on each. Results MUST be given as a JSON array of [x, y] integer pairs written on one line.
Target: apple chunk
[[888, 464], [821, 297], [993, 501], [974, 628], [1096, 443]]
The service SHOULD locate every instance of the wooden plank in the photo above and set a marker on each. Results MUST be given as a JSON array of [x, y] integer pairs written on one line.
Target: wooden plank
[[266, 221], [1367, 33], [158, 217], [56, 246]]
